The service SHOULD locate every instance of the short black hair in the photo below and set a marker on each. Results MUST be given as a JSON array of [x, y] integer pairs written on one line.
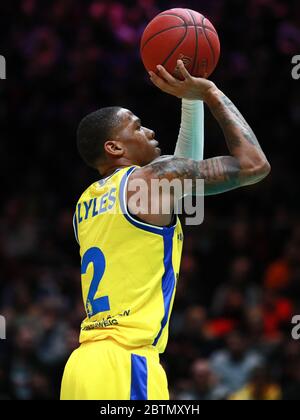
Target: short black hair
[[93, 131]]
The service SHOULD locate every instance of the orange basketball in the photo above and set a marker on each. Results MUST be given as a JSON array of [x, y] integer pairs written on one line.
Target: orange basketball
[[181, 34]]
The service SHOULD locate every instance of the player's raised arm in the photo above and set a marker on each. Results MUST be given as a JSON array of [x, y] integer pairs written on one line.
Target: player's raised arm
[[247, 164]]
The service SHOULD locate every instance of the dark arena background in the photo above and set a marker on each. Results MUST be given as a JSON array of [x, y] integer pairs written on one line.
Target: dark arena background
[[239, 287]]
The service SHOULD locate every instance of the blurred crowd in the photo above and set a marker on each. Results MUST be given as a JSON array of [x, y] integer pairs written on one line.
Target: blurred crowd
[[239, 288]]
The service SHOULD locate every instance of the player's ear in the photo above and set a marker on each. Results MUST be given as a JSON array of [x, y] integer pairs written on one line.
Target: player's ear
[[114, 148]]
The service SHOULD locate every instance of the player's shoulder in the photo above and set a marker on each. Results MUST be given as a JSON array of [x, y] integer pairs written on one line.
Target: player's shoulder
[[102, 185], [149, 171]]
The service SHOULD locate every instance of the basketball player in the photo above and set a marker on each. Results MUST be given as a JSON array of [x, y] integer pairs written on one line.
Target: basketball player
[[130, 263]]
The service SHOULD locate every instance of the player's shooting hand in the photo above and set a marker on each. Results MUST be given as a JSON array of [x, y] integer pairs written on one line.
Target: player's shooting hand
[[190, 88]]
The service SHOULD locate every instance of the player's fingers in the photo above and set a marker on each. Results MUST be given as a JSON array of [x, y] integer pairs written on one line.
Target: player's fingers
[[159, 82], [183, 70], [166, 75]]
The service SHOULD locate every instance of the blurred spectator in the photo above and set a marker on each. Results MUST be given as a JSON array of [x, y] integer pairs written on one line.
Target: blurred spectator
[[204, 386], [277, 314], [279, 274], [234, 364], [290, 366], [291, 389], [259, 388], [239, 281]]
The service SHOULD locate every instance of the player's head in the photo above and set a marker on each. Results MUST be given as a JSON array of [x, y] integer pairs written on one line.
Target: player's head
[[114, 136], [237, 344]]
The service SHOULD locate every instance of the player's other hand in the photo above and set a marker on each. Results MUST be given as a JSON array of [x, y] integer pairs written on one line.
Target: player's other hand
[[190, 88]]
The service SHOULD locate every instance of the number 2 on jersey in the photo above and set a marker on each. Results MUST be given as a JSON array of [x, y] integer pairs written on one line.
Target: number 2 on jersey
[[96, 257]]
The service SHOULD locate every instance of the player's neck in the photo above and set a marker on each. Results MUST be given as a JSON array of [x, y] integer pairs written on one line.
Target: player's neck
[[105, 172], [109, 168]]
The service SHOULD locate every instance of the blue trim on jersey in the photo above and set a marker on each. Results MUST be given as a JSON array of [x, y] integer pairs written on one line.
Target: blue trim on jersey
[[139, 378], [160, 230], [168, 281], [103, 181], [75, 226]]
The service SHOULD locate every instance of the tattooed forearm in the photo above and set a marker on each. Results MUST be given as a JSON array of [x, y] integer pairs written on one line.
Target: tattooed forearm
[[246, 166], [220, 174], [234, 125], [246, 129]]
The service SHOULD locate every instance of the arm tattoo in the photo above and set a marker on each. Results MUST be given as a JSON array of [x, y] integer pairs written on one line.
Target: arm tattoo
[[230, 117], [220, 174], [225, 173]]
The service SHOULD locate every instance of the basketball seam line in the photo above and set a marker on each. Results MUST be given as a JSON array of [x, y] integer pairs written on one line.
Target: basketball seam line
[[209, 43], [174, 27], [188, 10], [196, 47], [173, 51], [171, 14]]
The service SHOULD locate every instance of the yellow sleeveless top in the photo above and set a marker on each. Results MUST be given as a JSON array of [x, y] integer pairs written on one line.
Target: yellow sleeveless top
[[129, 268]]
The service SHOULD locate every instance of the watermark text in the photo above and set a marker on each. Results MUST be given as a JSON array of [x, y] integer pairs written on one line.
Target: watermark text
[[296, 329], [2, 68], [2, 328], [296, 68], [156, 198]]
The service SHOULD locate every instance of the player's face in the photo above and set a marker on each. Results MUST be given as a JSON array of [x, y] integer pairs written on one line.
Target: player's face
[[139, 142]]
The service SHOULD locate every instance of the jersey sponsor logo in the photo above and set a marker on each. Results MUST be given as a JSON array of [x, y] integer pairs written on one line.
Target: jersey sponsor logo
[[105, 322]]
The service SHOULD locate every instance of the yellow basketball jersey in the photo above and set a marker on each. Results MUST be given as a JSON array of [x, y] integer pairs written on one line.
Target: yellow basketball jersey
[[129, 268]]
